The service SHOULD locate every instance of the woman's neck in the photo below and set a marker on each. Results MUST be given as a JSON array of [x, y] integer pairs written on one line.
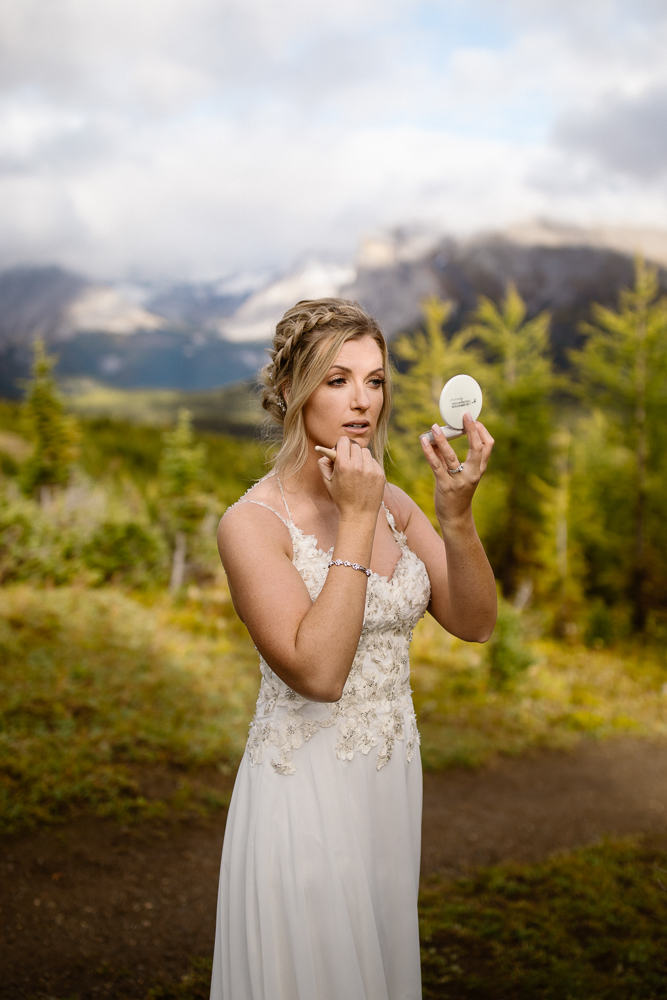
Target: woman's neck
[[307, 482]]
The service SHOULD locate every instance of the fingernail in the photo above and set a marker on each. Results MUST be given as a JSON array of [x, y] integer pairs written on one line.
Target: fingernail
[[436, 429]]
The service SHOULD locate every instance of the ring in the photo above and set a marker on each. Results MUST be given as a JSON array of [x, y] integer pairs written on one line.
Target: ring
[[453, 472]]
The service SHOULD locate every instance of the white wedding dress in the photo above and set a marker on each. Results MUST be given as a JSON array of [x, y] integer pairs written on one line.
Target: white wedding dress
[[320, 862]]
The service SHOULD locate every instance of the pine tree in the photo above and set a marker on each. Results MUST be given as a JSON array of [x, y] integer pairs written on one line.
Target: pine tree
[[53, 431], [181, 477], [622, 368]]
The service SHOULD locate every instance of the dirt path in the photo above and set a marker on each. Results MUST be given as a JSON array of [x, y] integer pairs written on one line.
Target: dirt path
[[97, 910]]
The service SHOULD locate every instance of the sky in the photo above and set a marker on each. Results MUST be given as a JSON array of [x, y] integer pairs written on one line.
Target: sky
[[190, 139]]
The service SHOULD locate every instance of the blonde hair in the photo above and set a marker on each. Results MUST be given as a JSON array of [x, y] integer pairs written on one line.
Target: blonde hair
[[307, 341]]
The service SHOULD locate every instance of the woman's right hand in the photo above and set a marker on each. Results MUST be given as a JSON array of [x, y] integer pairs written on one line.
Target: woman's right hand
[[354, 480]]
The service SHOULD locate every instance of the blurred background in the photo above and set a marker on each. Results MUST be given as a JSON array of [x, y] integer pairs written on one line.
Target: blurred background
[[490, 181]]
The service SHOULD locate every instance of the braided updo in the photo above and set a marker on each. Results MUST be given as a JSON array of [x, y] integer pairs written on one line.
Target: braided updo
[[307, 341]]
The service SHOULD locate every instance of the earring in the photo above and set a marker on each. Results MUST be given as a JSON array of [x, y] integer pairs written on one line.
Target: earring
[[282, 406]]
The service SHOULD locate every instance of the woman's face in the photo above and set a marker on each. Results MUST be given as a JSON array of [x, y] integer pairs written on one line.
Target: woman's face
[[349, 400]]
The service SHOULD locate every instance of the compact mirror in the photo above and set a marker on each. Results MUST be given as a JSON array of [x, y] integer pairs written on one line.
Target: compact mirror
[[461, 394]]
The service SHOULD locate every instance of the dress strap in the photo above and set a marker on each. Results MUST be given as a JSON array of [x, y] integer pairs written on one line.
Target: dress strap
[[282, 493], [260, 503], [289, 523], [396, 532]]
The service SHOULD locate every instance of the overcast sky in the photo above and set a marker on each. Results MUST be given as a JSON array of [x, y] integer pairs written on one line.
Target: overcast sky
[[193, 138]]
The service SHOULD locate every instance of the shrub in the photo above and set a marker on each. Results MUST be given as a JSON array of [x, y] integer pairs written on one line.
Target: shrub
[[126, 552], [599, 625], [33, 548], [507, 655]]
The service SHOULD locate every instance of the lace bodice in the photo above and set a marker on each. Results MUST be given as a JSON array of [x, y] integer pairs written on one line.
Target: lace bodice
[[375, 710]]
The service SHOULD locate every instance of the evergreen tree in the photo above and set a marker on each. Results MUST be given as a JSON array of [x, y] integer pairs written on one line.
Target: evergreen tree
[[427, 361], [623, 369], [53, 431], [508, 355], [517, 380], [181, 477], [559, 585]]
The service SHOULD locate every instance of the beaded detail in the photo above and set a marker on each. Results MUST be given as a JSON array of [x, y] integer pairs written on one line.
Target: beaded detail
[[375, 711], [350, 565]]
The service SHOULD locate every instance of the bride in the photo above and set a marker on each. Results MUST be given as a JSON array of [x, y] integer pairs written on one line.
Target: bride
[[330, 567]]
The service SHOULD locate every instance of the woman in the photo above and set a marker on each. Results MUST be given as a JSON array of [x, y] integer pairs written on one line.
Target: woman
[[330, 568]]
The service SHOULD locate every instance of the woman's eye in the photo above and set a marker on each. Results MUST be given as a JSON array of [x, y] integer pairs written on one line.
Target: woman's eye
[[376, 383]]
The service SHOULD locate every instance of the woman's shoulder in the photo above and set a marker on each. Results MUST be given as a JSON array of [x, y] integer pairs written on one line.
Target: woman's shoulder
[[252, 528], [265, 491], [261, 503]]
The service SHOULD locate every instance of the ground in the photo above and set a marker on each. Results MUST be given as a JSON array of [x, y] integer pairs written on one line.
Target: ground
[[95, 909]]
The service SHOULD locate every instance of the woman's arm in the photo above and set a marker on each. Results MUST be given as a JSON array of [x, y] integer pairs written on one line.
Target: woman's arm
[[309, 644], [463, 590]]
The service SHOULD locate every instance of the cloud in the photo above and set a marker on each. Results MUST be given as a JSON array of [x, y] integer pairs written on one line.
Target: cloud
[[166, 54], [194, 138], [625, 134]]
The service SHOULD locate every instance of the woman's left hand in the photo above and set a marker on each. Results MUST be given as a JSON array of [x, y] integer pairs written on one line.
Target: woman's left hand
[[455, 483]]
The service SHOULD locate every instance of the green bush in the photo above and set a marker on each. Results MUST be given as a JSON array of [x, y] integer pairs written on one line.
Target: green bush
[[126, 552], [15, 532], [599, 625], [34, 548], [9, 466], [507, 655]]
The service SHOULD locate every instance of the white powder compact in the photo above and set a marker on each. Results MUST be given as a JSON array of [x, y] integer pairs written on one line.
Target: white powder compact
[[461, 394]]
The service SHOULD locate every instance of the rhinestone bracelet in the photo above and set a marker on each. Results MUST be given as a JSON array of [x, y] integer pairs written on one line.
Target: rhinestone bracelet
[[352, 565]]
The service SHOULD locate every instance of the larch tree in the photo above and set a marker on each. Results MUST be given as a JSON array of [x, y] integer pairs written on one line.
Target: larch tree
[[53, 431], [622, 374], [181, 492], [517, 380], [426, 359]]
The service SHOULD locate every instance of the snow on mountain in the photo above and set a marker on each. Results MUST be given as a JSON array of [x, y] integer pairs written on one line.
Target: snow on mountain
[[112, 309], [256, 318], [196, 335], [242, 282], [395, 247]]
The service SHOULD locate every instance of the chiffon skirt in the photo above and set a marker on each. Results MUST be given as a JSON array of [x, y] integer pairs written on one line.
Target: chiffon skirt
[[319, 880]]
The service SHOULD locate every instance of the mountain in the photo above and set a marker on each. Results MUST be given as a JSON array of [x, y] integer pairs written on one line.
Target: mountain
[[199, 336], [256, 317], [123, 335], [562, 269], [563, 279]]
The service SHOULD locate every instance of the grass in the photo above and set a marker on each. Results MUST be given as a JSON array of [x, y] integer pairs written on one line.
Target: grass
[[101, 688], [583, 925], [131, 706], [231, 409], [568, 691], [100, 692], [586, 925]]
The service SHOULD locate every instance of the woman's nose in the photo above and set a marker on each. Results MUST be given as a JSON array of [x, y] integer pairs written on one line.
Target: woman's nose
[[361, 400]]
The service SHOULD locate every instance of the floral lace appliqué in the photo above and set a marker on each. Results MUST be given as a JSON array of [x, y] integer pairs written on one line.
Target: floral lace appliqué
[[375, 711]]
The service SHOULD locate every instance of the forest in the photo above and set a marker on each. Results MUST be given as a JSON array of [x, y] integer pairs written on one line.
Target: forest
[[128, 683]]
